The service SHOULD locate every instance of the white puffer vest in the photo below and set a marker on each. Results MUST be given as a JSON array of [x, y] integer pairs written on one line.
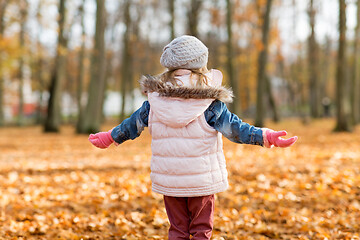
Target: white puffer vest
[[187, 154]]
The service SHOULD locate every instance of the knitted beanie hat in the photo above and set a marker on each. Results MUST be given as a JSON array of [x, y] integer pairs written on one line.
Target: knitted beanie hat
[[185, 52]]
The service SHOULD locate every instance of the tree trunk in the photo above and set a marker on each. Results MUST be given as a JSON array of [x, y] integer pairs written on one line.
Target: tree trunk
[[294, 87], [193, 16], [272, 103], [3, 5], [93, 114], [126, 60], [53, 120], [355, 93], [38, 68], [313, 54], [342, 101], [280, 70], [81, 66], [325, 66], [235, 106], [23, 16], [172, 18], [261, 83], [39, 76]]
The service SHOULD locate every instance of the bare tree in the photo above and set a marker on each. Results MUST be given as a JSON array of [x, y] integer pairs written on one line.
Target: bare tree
[[38, 63], [295, 84], [126, 65], [235, 106], [342, 101], [193, 17], [171, 4], [325, 63], [93, 114], [53, 119], [262, 60], [81, 67], [23, 7], [272, 102], [313, 53], [3, 5], [355, 93]]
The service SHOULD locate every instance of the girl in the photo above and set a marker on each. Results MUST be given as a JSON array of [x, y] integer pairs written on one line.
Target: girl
[[187, 116]]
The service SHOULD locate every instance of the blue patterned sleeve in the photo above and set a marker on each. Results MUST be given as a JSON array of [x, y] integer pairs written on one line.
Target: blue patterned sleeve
[[132, 127], [231, 126]]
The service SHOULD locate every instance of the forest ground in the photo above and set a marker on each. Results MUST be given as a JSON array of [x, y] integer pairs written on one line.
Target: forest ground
[[58, 186]]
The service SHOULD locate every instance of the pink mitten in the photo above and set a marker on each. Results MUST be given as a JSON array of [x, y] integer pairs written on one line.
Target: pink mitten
[[273, 138], [101, 139]]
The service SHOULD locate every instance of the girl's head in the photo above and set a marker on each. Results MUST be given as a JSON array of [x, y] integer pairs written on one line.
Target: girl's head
[[185, 52]]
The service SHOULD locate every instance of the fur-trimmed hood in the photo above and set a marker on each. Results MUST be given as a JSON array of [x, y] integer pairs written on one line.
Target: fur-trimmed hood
[[177, 106], [151, 84]]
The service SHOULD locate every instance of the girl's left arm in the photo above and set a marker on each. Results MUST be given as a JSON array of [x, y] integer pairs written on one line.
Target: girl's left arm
[[231, 126]]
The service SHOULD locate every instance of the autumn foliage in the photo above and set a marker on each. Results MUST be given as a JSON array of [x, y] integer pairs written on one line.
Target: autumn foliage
[[58, 186]]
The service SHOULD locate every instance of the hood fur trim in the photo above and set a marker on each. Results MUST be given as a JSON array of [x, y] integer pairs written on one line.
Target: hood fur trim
[[150, 84]]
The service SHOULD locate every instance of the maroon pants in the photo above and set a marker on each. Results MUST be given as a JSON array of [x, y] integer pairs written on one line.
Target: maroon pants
[[190, 215]]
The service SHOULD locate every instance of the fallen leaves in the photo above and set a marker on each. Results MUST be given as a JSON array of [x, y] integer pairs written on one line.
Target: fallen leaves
[[57, 186]]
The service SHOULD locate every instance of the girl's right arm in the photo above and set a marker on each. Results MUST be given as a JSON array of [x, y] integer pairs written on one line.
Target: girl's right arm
[[231, 126], [130, 128]]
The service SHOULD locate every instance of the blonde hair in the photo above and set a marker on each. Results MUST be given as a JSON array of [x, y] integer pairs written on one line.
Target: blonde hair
[[201, 78]]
